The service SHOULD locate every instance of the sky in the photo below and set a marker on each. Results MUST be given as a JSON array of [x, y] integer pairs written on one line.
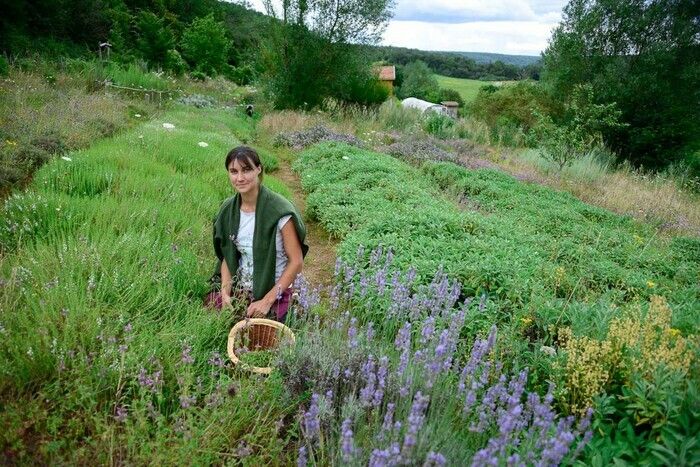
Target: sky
[[518, 27]]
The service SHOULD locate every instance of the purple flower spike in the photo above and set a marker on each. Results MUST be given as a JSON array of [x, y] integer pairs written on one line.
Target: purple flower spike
[[347, 441], [186, 358], [312, 424], [434, 459], [301, 458], [121, 414]]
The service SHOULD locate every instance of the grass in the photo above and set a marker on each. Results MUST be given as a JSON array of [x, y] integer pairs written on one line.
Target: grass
[[467, 88], [105, 259]]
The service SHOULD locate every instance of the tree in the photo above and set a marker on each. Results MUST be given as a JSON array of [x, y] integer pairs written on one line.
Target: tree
[[643, 55], [155, 39], [205, 45], [582, 131], [315, 50], [420, 82]]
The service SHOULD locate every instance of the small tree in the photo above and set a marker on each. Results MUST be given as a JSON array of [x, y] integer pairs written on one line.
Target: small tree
[[155, 39], [582, 131], [205, 45], [420, 82]]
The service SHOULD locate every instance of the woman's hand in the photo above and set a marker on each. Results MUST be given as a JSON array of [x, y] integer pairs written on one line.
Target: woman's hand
[[226, 300], [258, 309]]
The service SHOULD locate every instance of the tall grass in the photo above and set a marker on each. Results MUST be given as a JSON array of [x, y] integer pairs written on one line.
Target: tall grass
[[104, 262]]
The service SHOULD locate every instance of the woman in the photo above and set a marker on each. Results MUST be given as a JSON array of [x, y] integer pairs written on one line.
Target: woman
[[258, 239]]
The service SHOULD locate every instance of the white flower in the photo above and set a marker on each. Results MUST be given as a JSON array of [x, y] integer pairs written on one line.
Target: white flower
[[547, 350], [345, 158], [168, 126], [202, 144], [66, 158], [137, 115]]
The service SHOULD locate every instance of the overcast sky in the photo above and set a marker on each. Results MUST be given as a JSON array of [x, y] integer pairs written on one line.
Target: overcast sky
[[520, 27]]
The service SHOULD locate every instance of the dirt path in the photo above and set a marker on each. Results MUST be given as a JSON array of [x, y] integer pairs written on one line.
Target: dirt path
[[320, 261]]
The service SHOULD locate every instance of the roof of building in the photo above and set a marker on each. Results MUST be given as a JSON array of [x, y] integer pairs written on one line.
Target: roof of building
[[450, 103], [387, 73], [413, 103]]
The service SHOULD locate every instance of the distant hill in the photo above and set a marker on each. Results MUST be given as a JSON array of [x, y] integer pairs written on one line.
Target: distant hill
[[486, 57], [469, 65]]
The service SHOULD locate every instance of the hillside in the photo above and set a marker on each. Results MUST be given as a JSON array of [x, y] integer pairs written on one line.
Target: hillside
[[486, 57]]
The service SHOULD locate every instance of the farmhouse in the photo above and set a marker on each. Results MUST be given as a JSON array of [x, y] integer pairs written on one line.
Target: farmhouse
[[423, 106], [387, 76]]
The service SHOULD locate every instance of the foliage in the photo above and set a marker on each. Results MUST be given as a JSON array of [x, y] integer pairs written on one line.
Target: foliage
[[365, 198], [438, 125], [205, 45], [447, 94], [518, 105], [107, 256], [308, 56], [405, 389], [4, 66], [647, 64], [175, 63], [462, 65], [582, 130], [155, 38], [419, 82], [346, 22]]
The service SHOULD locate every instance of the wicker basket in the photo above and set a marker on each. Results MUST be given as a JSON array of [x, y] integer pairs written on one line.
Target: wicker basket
[[257, 334]]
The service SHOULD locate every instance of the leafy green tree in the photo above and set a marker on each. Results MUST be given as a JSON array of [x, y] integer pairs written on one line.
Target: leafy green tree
[[583, 130], [155, 38], [314, 50], [205, 45], [643, 55], [420, 82]]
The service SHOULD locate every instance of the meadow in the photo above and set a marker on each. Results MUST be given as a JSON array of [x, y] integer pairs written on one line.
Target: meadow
[[472, 318], [467, 88]]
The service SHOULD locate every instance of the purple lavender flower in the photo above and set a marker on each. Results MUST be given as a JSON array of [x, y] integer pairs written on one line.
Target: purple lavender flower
[[187, 358], [187, 401], [121, 414], [367, 392], [312, 423], [216, 360], [347, 441], [381, 381], [434, 459], [352, 334], [379, 458], [301, 458], [414, 423], [370, 331]]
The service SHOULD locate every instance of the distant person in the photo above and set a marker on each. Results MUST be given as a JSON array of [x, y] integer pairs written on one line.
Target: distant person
[[258, 240]]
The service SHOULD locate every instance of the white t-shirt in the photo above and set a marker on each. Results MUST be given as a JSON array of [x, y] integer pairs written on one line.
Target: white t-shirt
[[244, 245]]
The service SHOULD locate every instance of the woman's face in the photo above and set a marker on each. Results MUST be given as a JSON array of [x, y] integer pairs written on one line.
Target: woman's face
[[243, 177]]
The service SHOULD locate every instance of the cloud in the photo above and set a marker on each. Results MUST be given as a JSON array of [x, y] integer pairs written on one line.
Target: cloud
[[464, 11], [507, 37], [520, 27]]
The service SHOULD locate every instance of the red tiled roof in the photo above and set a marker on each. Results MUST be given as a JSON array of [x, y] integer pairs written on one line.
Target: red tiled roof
[[387, 73]]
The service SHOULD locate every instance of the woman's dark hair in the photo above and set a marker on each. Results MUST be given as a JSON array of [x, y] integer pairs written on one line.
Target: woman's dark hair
[[246, 156]]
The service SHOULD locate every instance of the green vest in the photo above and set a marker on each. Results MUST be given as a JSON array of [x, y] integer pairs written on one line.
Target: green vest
[[270, 207]]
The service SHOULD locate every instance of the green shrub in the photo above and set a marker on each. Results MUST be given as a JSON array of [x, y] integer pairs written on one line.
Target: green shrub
[[514, 106], [175, 63], [4, 66], [205, 46], [438, 124], [395, 116], [241, 75], [198, 76]]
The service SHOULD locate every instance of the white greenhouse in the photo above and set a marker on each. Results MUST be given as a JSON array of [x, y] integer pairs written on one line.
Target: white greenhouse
[[423, 106]]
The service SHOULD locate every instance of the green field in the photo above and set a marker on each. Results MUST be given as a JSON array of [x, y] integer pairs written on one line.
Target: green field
[[467, 88]]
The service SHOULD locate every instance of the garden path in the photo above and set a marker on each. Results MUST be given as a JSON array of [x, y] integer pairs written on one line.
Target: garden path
[[319, 263]]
